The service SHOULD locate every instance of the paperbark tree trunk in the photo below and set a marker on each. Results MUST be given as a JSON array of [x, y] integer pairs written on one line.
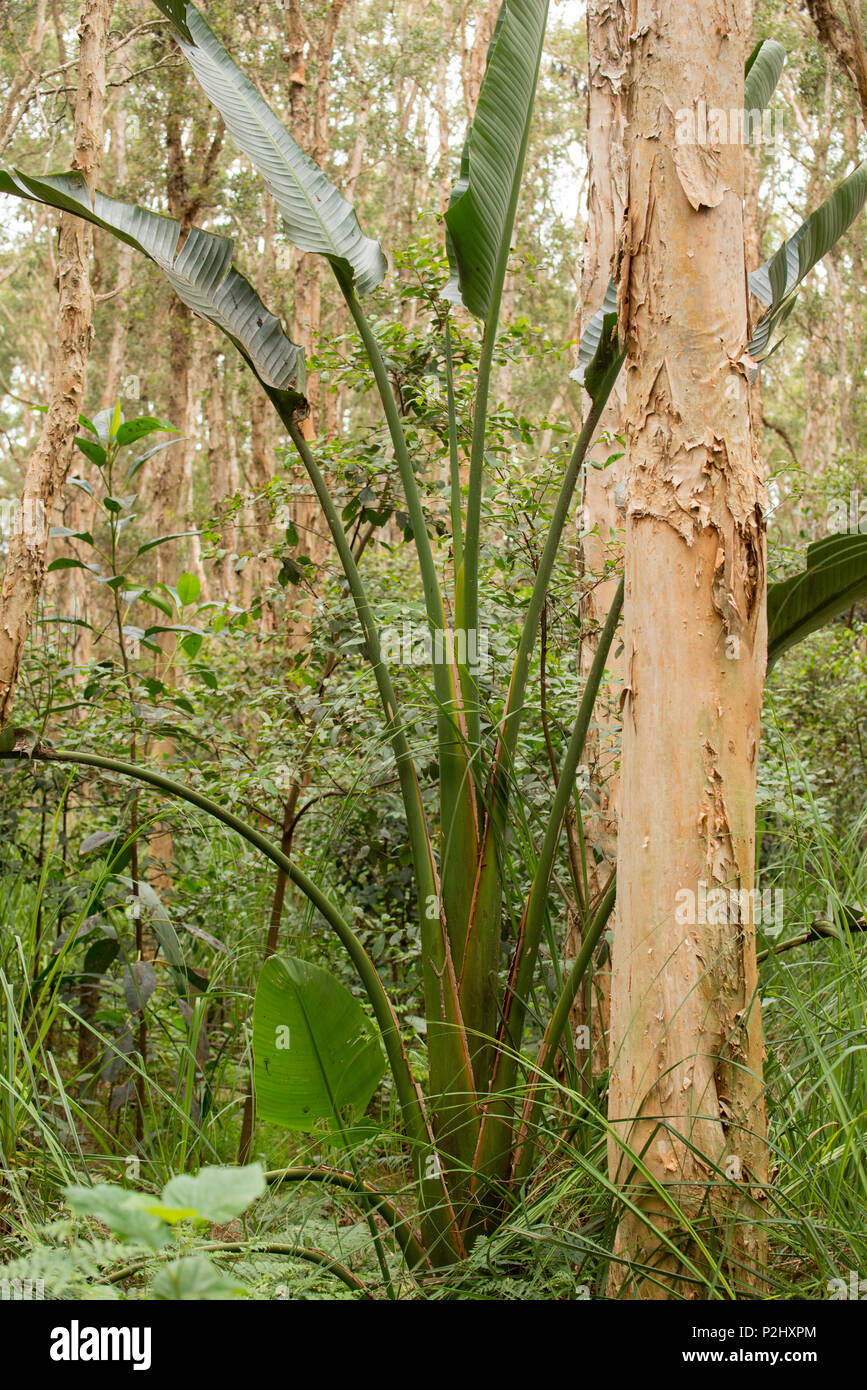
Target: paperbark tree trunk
[[475, 50], [26, 80], [819, 442], [844, 42], [75, 588], [50, 461], [188, 181], [607, 49], [686, 1088], [310, 128], [223, 482]]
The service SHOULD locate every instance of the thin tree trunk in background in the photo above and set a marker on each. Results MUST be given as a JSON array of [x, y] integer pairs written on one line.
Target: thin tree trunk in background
[[51, 459], [845, 45], [75, 588], [854, 387], [753, 241], [188, 182], [686, 1086], [819, 444], [310, 130], [223, 483], [475, 52], [189, 177], [607, 50], [444, 165], [26, 80], [116, 363]]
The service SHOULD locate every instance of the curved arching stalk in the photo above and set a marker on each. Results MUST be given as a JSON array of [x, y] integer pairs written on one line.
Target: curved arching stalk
[[447, 1037], [410, 1245], [308, 1253], [408, 1092], [457, 789]]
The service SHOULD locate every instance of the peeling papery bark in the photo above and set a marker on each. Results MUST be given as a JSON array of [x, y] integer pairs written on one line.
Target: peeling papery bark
[[49, 464], [686, 1053]]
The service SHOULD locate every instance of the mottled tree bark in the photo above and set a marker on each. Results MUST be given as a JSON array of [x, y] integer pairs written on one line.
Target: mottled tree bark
[[686, 1087], [310, 128], [844, 42], [475, 51], [26, 79], [51, 459]]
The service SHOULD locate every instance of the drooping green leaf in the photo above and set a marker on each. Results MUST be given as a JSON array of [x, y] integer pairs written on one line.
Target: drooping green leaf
[[161, 540], [67, 562], [139, 983], [201, 273], [175, 10], [101, 955], [314, 1049], [480, 219], [762, 73], [145, 898], [99, 839], [834, 579], [142, 459], [775, 282], [316, 216]]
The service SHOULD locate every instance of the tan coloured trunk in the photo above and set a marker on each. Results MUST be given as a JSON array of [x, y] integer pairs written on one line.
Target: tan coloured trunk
[[188, 182], [607, 30], [686, 1051], [26, 79], [819, 443], [223, 482], [310, 129], [844, 42], [75, 588], [50, 461], [476, 51]]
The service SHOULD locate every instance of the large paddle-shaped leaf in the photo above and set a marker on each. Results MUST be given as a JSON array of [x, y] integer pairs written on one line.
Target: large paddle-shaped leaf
[[314, 1049], [316, 217], [201, 273], [176, 12], [481, 216], [762, 73], [835, 578], [775, 282]]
